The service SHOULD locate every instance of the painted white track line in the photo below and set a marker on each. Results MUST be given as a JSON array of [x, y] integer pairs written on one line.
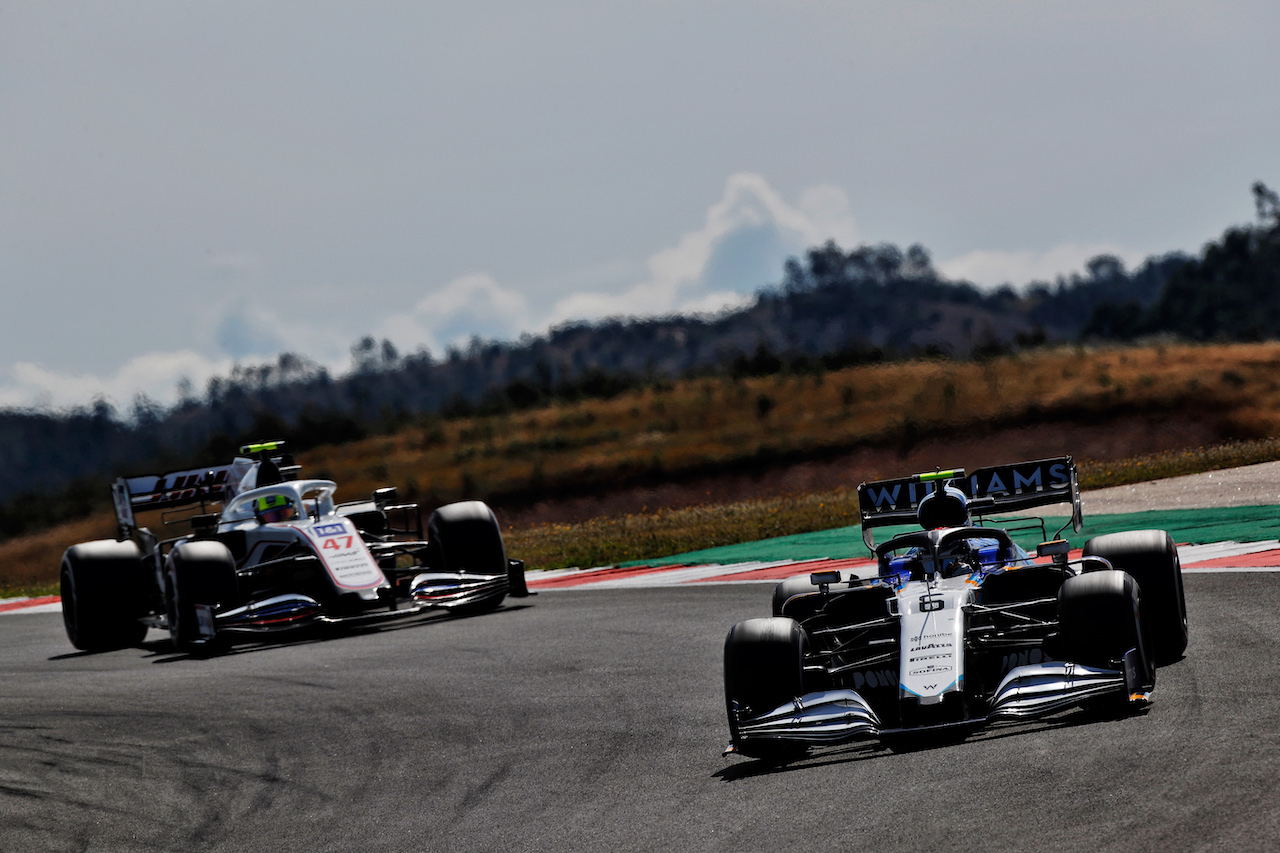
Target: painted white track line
[[1219, 557]]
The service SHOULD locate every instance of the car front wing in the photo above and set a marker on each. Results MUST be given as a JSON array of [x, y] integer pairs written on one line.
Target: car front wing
[[838, 716]]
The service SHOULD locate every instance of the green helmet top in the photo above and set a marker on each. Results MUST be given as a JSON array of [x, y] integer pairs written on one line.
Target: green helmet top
[[269, 502]]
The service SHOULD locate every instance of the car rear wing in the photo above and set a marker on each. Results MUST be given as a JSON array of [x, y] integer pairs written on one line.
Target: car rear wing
[[997, 489], [174, 489]]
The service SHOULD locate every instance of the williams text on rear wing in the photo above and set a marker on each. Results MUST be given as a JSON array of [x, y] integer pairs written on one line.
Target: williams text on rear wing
[[997, 489]]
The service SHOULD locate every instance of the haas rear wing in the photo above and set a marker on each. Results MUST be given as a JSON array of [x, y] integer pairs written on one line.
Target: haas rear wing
[[999, 488], [177, 488]]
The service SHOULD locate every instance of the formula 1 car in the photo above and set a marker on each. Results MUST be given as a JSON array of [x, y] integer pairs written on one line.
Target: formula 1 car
[[265, 551], [960, 627]]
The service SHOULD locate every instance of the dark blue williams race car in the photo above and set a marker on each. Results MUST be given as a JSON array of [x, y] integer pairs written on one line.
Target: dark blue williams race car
[[263, 551], [960, 627]]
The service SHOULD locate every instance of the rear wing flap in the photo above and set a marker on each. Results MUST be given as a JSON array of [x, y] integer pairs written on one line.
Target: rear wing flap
[[175, 489], [997, 489]]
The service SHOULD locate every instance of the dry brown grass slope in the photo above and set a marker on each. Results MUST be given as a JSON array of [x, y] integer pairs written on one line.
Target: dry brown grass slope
[[705, 461]]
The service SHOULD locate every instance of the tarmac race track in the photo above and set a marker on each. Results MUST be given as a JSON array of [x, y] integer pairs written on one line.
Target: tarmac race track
[[594, 720]]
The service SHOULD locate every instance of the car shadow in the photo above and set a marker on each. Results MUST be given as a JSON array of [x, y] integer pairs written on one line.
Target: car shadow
[[828, 756], [248, 644], [80, 654], [160, 650], [873, 749]]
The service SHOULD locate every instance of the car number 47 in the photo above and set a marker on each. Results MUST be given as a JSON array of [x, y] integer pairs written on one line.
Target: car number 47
[[333, 543]]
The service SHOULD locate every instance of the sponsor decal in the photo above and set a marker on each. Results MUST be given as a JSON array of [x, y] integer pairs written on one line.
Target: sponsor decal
[[345, 556], [874, 678], [886, 497], [186, 485], [1022, 480], [205, 625], [991, 482], [926, 646], [927, 670]]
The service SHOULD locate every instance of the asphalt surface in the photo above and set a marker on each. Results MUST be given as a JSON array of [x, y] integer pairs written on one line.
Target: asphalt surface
[[593, 720]]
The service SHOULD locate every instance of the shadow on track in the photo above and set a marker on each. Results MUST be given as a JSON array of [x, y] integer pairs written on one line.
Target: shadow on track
[[161, 651], [923, 742]]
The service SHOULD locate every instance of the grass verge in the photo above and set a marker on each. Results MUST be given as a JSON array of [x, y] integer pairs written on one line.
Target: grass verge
[[607, 541], [29, 564]]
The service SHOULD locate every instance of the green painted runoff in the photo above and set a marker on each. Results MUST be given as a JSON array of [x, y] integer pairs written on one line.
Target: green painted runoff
[[1187, 526]]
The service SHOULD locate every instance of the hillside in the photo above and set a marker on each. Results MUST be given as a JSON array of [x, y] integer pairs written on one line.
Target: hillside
[[1139, 399], [563, 474], [873, 307], [834, 309]]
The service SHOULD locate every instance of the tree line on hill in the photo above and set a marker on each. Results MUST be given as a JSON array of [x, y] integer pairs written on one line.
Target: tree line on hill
[[1230, 292], [833, 308]]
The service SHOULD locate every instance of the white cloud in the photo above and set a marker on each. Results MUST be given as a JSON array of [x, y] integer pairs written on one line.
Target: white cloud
[[472, 305], [255, 327], [155, 374], [243, 334], [1018, 268], [739, 248]]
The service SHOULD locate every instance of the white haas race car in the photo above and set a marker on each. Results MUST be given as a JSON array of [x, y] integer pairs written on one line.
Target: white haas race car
[[960, 627], [267, 552]]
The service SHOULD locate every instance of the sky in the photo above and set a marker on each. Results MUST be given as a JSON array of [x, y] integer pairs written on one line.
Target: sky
[[185, 187]]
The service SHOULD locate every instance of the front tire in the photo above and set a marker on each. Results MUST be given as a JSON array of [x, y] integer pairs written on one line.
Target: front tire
[[1152, 559], [464, 537], [197, 574], [1100, 619], [763, 670], [103, 595]]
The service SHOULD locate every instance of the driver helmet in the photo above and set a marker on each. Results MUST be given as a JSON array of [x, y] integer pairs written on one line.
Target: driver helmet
[[273, 508], [947, 507]]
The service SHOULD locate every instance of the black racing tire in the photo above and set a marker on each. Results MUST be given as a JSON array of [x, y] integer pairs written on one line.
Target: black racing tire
[[800, 609], [1152, 559], [1100, 618], [103, 595], [763, 670], [465, 537], [197, 573]]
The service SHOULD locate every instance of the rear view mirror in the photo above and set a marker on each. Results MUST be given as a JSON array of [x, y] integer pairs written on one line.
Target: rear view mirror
[[824, 579], [1053, 548]]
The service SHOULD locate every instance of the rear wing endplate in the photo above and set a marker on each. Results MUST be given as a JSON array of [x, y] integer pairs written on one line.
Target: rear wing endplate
[[997, 489]]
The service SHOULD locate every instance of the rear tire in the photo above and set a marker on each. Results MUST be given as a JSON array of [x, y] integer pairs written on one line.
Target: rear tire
[[800, 609], [1152, 559], [1100, 618], [197, 573], [103, 595], [763, 670], [464, 537]]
